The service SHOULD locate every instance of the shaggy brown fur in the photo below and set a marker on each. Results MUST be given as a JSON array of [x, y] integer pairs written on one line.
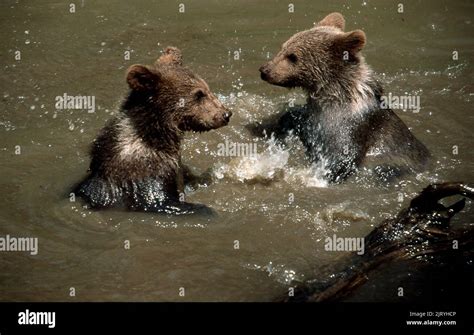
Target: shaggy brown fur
[[136, 157], [342, 123]]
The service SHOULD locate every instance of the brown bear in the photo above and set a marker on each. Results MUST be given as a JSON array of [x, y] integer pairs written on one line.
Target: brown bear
[[343, 123], [136, 157]]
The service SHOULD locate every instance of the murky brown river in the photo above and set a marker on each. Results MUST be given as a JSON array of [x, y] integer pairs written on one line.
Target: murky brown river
[[278, 225]]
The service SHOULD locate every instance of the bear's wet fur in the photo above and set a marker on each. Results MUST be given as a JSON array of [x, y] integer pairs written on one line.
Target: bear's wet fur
[[342, 123], [136, 157]]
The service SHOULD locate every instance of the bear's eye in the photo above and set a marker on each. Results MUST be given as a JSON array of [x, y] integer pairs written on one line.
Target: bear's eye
[[292, 58], [199, 95]]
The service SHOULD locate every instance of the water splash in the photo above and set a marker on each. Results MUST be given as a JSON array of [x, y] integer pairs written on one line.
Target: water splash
[[262, 167]]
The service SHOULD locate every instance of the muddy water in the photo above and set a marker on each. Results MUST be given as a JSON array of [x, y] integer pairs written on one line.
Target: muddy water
[[276, 208]]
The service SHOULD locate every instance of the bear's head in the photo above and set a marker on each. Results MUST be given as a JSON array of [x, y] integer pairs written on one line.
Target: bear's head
[[173, 96], [315, 57]]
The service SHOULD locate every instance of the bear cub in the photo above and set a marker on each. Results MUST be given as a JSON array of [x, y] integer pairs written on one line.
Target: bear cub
[[136, 157], [343, 125]]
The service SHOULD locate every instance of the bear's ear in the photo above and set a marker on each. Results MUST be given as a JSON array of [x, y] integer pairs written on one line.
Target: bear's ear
[[171, 55], [140, 78], [351, 42], [333, 20]]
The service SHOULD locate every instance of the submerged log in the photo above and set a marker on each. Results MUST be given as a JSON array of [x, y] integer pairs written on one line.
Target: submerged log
[[422, 228]]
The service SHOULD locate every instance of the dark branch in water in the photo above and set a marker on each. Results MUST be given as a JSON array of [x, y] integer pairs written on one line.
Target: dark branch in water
[[421, 229]]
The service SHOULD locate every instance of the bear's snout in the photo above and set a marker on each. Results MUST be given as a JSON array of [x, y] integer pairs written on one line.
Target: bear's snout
[[264, 72], [227, 116], [220, 118]]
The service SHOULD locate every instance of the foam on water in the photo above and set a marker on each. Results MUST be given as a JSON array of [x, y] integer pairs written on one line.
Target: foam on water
[[261, 166], [271, 165], [276, 161], [312, 176]]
